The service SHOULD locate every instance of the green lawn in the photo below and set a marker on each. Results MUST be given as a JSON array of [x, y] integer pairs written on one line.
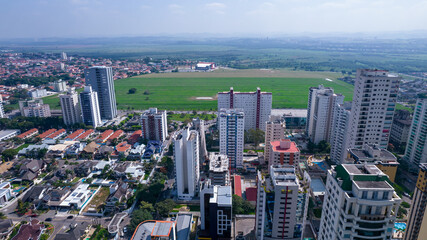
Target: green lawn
[[178, 91]]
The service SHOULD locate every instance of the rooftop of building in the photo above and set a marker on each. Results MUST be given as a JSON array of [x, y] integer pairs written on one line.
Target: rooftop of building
[[4, 133], [373, 184], [222, 196], [218, 162], [75, 134], [349, 173], [234, 92], [285, 146], [151, 228], [372, 152], [283, 175], [183, 225], [27, 133], [235, 111], [376, 73]]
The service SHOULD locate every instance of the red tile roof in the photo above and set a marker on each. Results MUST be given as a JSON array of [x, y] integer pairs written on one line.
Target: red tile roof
[[27, 133], [32, 230], [292, 148], [105, 135], [116, 134], [251, 193], [135, 137], [57, 133], [123, 147], [86, 134], [47, 133], [75, 134], [237, 185]]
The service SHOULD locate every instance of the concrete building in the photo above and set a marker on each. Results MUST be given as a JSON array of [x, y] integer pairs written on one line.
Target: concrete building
[[89, 107], [231, 136], [359, 203], [283, 151], [59, 86], [78, 198], [2, 115], [338, 140], [154, 125], [417, 219], [205, 66], [374, 100], [199, 125], [37, 93], [70, 107], [274, 130], [186, 154], [401, 127], [218, 169], [101, 80], [416, 148], [216, 212], [371, 154], [34, 108], [8, 134], [321, 103], [64, 56], [255, 105], [281, 206], [155, 230]]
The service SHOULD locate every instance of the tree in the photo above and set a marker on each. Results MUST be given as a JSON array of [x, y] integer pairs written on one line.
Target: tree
[[9, 154], [146, 92], [2, 216], [254, 136], [241, 206], [139, 216], [165, 207], [132, 91], [146, 206], [22, 207]]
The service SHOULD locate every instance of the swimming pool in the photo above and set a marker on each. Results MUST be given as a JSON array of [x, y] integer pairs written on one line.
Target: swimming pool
[[399, 226], [321, 165]]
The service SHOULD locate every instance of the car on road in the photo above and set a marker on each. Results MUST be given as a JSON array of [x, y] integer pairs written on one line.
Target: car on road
[[70, 217], [48, 219], [125, 229], [173, 219], [406, 194]]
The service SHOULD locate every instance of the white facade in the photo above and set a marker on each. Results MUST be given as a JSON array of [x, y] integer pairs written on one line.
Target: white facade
[[218, 169], [186, 153], [281, 201], [154, 125], [374, 100], [38, 93], [70, 107], [416, 148], [60, 86], [231, 135], [2, 115], [274, 130], [321, 103], [34, 108], [256, 106], [101, 80], [340, 121], [89, 107], [359, 204]]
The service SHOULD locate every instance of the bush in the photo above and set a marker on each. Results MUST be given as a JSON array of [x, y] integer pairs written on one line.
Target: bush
[[132, 91], [405, 205]]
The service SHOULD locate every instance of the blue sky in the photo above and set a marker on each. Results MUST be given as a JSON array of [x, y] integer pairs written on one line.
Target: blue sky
[[97, 18]]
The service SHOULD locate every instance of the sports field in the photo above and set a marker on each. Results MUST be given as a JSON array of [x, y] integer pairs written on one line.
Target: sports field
[[180, 91]]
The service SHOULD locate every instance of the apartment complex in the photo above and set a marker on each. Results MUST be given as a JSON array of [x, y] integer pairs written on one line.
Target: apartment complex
[[371, 154], [338, 140], [255, 105], [186, 154], [281, 206], [89, 107], [417, 220], [101, 80], [199, 125], [374, 100], [321, 103], [34, 108], [216, 212], [401, 127], [274, 130], [218, 169], [283, 151], [59, 86], [359, 203], [154, 125], [416, 148], [231, 135], [70, 107]]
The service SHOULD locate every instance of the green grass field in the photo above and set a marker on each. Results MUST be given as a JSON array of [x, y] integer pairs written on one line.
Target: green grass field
[[178, 91]]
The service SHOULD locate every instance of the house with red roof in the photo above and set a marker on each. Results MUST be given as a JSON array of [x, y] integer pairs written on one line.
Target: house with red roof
[[74, 135], [134, 138], [121, 150], [117, 134], [47, 133], [85, 135], [57, 134], [28, 134], [104, 136], [32, 230]]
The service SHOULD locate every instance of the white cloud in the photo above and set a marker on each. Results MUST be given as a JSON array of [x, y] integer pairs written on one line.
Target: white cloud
[[215, 5], [175, 8]]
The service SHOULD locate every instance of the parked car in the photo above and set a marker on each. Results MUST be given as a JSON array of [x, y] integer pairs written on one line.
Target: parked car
[[70, 217], [48, 219]]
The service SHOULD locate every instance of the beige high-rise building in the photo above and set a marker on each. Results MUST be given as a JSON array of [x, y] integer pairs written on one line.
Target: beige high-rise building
[[70, 107], [374, 100], [274, 130], [417, 220]]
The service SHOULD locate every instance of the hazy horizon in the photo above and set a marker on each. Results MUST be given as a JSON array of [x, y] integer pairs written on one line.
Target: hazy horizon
[[233, 18]]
